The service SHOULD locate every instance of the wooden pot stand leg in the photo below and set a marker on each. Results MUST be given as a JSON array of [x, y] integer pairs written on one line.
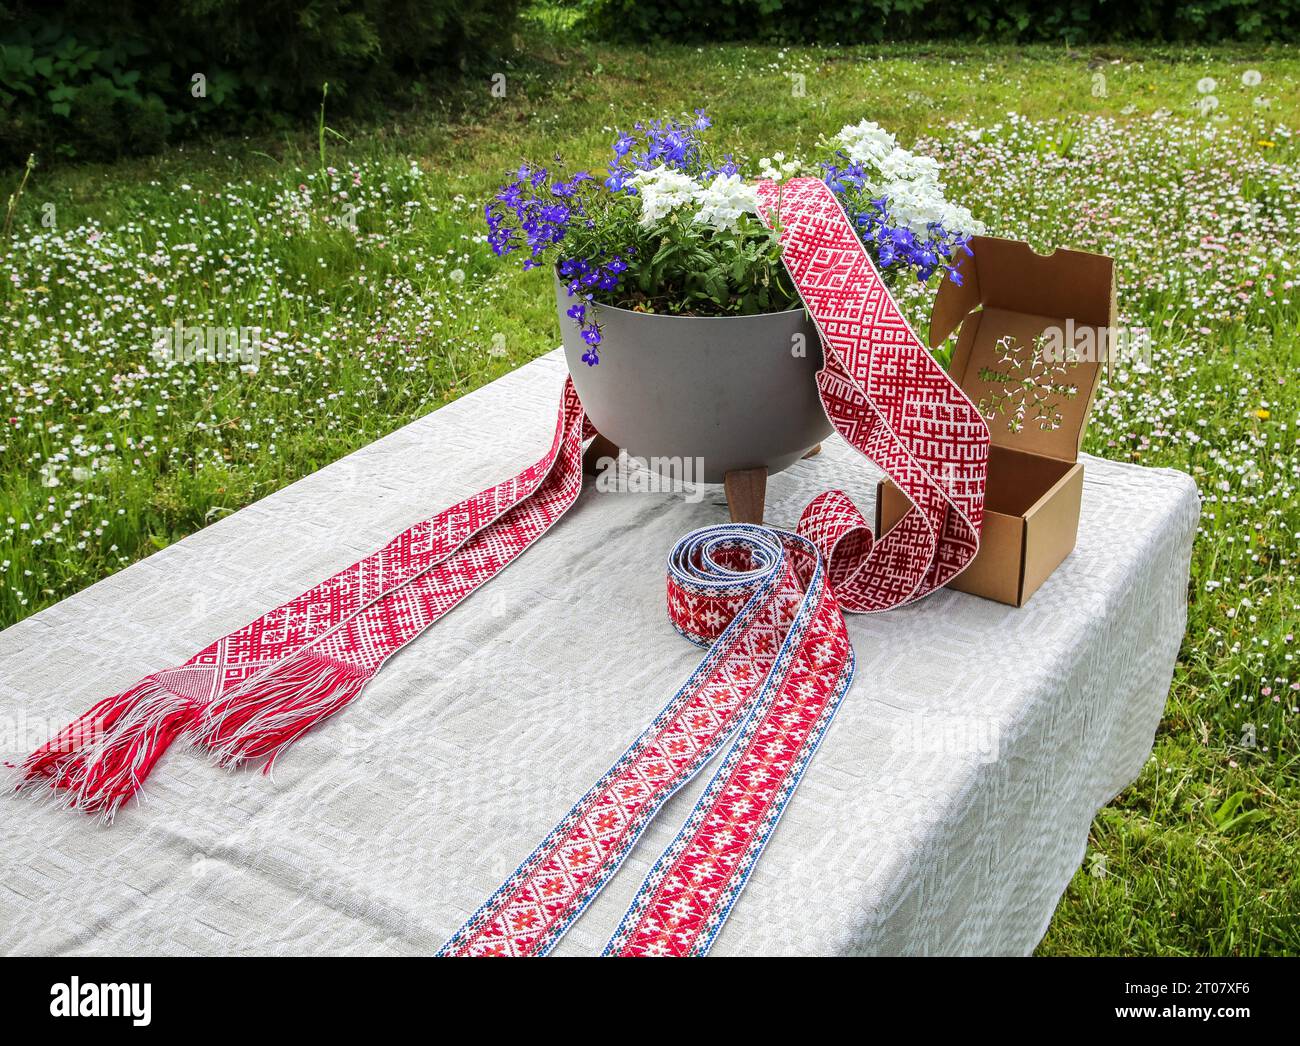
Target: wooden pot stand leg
[[746, 490], [599, 448]]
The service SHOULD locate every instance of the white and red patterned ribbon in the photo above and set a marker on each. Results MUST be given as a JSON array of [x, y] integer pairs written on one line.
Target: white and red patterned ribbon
[[892, 401], [251, 694], [767, 603]]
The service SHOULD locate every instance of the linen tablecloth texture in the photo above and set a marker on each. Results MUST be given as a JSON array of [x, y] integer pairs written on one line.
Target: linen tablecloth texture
[[945, 812]]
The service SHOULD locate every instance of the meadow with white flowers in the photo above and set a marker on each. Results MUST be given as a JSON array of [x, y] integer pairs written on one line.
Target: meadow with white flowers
[[363, 259]]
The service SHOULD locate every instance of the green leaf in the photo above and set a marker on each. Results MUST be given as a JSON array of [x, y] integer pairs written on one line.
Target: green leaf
[[665, 251], [1229, 816]]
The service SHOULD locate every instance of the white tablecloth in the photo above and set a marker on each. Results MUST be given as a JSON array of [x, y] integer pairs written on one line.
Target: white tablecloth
[[945, 812]]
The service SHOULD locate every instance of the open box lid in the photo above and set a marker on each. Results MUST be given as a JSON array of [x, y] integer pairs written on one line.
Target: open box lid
[[1009, 297]]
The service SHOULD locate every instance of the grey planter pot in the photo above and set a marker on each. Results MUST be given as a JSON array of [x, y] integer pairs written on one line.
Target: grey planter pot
[[728, 390]]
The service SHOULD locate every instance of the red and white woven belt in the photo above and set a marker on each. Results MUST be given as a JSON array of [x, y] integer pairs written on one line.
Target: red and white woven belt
[[766, 603]]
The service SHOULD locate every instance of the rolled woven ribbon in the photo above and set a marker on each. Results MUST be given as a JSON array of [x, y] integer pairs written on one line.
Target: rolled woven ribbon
[[778, 664], [714, 571]]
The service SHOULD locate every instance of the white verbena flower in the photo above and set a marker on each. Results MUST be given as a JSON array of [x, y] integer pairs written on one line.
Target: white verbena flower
[[959, 219], [910, 181], [867, 142], [662, 190], [724, 202], [903, 165], [918, 205], [914, 205]]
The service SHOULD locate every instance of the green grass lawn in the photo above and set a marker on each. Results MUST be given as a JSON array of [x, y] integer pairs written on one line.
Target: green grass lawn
[[378, 301]]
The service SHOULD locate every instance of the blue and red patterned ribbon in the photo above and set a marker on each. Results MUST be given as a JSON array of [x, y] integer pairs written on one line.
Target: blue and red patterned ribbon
[[778, 663]]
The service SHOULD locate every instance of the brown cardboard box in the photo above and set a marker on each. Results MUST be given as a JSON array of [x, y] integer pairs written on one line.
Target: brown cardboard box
[[1035, 481]]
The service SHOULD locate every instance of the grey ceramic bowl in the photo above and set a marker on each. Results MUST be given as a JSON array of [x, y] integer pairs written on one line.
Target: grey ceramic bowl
[[727, 389]]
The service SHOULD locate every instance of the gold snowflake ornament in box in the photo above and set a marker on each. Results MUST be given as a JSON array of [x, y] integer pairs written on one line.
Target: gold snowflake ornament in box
[[1030, 388]]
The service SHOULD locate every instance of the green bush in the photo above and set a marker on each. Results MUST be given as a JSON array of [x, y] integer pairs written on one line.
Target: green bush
[[99, 78], [871, 21]]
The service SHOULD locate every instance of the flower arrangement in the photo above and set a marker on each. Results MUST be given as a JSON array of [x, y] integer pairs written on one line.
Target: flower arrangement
[[673, 228]]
